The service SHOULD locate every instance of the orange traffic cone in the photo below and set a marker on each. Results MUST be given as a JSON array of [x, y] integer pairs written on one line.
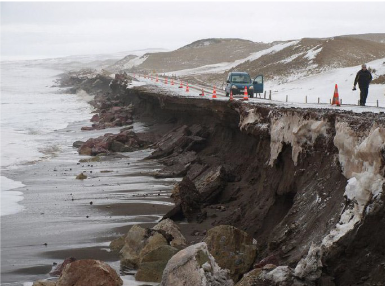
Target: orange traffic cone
[[336, 99], [231, 95], [172, 81], [214, 93], [165, 81], [181, 84], [187, 89], [245, 95], [203, 93]]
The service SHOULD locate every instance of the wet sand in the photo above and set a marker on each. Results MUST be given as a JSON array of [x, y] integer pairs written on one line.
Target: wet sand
[[66, 217]]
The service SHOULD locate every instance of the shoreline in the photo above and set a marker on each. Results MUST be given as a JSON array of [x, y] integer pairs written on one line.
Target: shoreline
[[55, 202]]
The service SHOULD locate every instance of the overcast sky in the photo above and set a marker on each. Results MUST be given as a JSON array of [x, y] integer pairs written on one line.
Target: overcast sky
[[50, 29]]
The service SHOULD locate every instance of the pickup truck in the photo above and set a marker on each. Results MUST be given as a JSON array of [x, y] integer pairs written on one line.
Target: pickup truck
[[237, 81]]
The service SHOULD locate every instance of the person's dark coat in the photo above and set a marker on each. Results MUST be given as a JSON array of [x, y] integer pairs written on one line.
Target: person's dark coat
[[363, 78]]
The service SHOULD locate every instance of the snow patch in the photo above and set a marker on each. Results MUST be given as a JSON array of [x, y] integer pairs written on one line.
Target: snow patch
[[312, 53], [360, 159], [310, 267], [251, 117], [278, 275], [296, 131], [291, 58], [134, 62]]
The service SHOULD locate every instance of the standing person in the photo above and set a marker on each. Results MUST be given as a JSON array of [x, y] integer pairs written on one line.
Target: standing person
[[363, 78]]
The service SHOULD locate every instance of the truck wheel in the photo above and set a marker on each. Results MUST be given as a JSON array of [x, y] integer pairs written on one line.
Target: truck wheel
[[227, 95], [251, 95]]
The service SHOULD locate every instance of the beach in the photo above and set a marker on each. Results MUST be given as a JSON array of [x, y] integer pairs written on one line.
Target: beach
[[57, 216]]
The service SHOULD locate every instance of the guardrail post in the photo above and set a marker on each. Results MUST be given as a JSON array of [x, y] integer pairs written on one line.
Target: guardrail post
[[270, 95], [264, 95], [358, 103], [306, 99], [287, 97], [318, 100], [377, 102]]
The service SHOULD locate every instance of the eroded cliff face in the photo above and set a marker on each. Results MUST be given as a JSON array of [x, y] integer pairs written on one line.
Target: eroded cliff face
[[308, 185], [292, 178]]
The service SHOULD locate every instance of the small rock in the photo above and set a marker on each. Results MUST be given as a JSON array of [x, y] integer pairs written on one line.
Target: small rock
[[81, 176]]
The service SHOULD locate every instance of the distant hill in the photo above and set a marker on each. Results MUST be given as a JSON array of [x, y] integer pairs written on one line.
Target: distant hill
[[311, 56], [209, 60], [375, 37], [199, 53]]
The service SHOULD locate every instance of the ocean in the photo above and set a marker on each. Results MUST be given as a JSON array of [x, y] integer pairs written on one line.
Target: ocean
[[31, 111]]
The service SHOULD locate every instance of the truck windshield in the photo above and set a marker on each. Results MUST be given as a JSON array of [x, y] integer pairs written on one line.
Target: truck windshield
[[241, 78]]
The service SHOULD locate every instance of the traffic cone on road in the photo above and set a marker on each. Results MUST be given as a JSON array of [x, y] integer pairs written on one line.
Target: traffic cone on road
[[187, 89], [165, 81], [181, 84], [214, 93], [231, 95], [336, 99], [245, 95], [172, 81], [203, 93]]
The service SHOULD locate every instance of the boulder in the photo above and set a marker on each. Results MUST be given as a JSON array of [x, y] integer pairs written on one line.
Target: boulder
[[172, 229], [153, 242], [134, 243], [152, 264], [250, 278], [194, 266], [232, 248], [139, 241], [44, 283], [89, 272]]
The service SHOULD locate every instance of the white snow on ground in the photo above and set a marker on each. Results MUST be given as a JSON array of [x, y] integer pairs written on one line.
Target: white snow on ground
[[134, 62], [292, 58], [222, 67], [322, 86], [312, 53]]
